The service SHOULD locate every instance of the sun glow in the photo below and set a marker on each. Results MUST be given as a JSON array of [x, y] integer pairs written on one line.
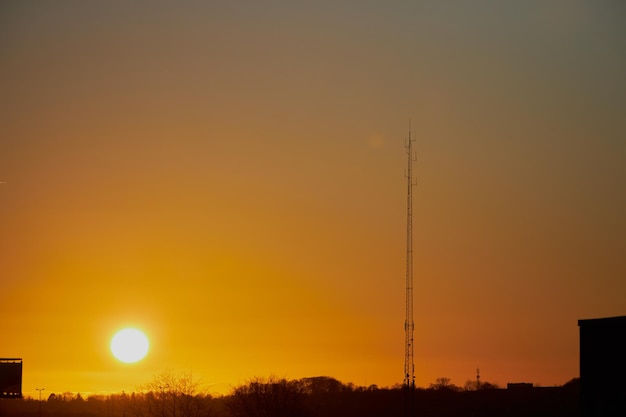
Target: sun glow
[[129, 345]]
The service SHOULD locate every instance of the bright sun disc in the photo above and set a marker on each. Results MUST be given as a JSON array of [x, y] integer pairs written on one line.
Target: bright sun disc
[[129, 345]]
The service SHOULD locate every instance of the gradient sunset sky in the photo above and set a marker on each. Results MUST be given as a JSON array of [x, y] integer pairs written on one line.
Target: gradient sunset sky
[[229, 178]]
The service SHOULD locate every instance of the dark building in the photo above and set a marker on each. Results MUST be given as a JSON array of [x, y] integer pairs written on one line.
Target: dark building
[[10, 378], [603, 366]]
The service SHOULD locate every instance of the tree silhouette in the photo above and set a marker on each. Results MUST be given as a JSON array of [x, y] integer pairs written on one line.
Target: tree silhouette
[[472, 385], [322, 385], [169, 394], [443, 383], [172, 394], [270, 397]]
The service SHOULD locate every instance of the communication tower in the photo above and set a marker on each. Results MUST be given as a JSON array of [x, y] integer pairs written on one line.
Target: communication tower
[[409, 325]]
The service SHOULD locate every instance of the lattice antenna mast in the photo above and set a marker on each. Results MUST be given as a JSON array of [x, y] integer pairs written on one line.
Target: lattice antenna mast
[[409, 325]]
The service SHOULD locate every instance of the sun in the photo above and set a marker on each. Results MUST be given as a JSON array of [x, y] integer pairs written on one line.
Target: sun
[[129, 345]]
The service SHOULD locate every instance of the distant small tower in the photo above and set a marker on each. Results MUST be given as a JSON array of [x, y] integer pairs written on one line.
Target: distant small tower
[[477, 379]]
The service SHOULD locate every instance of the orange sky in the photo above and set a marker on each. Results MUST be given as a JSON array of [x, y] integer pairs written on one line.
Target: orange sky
[[230, 179]]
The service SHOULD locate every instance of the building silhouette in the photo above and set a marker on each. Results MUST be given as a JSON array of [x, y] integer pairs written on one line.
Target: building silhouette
[[603, 367], [10, 377]]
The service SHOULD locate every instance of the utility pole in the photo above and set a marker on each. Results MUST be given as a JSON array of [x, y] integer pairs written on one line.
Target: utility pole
[[40, 389], [409, 325]]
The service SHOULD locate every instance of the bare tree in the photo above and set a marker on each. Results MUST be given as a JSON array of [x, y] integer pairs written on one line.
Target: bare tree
[[169, 394], [322, 385], [270, 397], [473, 385], [443, 383]]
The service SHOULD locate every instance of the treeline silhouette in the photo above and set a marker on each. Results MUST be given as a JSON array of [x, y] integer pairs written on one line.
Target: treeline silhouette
[[177, 395]]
